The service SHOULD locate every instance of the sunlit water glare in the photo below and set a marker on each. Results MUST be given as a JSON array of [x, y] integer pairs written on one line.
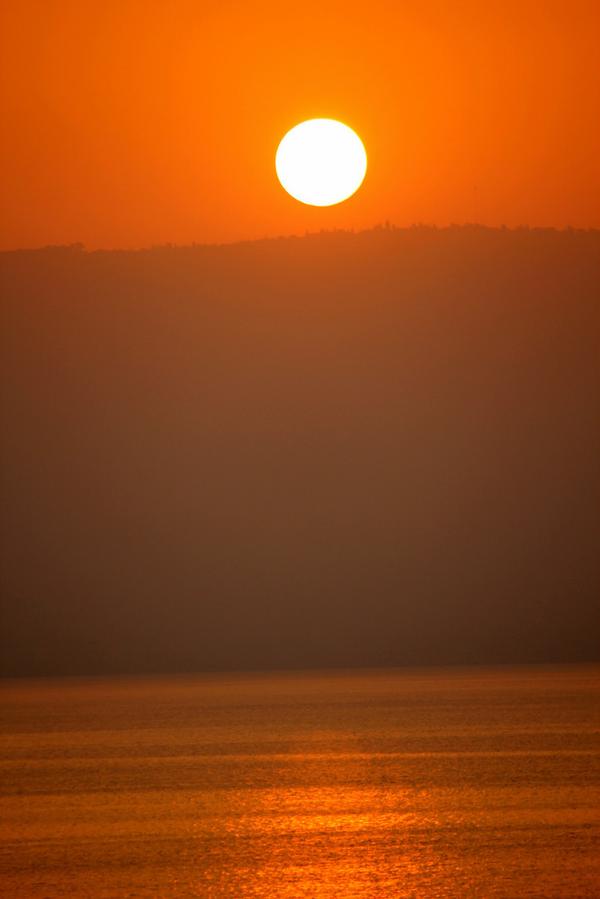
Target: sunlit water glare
[[354, 786]]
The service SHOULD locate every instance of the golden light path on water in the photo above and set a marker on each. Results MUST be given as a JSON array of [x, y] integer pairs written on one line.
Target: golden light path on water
[[352, 786]]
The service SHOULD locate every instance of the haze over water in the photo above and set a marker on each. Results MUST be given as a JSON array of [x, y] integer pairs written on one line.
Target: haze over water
[[439, 783]]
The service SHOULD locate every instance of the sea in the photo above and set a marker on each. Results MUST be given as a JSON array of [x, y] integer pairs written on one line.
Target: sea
[[433, 784]]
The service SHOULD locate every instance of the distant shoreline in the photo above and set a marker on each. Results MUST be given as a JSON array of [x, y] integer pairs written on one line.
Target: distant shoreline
[[325, 233]]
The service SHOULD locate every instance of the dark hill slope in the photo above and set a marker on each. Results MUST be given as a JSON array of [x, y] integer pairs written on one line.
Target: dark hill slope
[[343, 449]]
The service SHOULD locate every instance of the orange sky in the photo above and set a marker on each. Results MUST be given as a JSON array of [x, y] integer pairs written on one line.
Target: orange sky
[[133, 123]]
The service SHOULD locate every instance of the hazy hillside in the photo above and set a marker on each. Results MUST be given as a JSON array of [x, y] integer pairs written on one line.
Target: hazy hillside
[[343, 449]]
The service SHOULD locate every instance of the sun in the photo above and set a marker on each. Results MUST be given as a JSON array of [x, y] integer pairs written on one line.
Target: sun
[[321, 162]]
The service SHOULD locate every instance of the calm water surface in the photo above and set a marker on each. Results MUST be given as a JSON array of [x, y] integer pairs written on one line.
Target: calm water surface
[[391, 784]]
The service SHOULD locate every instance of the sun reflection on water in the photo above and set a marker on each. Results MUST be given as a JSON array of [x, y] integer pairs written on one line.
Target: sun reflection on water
[[371, 787]]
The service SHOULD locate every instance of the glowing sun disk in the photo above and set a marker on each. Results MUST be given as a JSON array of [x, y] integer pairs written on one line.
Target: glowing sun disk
[[321, 162]]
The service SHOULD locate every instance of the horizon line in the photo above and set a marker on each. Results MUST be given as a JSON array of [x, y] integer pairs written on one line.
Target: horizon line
[[385, 227]]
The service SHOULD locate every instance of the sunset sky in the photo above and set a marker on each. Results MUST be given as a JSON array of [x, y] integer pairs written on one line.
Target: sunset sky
[[129, 124]]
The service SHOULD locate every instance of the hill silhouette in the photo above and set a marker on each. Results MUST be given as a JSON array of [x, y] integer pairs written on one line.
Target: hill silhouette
[[344, 449]]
